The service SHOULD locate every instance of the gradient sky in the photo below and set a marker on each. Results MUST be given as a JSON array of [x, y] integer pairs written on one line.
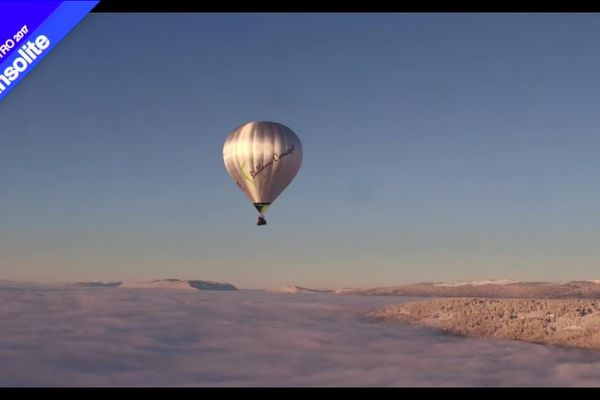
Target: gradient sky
[[436, 147]]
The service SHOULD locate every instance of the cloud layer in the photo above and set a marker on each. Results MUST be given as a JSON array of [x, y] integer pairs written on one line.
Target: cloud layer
[[59, 336]]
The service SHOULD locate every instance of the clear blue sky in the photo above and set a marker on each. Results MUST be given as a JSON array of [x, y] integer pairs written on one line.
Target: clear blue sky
[[436, 147]]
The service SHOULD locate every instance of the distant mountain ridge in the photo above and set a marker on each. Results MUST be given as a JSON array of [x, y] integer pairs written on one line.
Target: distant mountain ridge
[[299, 289], [163, 284], [491, 288], [97, 284]]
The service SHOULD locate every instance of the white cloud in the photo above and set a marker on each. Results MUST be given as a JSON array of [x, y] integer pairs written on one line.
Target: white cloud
[[130, 337]]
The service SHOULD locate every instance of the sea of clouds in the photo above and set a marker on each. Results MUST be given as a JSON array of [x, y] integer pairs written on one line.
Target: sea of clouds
[[69, 336]]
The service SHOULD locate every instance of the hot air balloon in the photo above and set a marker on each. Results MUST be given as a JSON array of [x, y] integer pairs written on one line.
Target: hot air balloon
[[262, 158]]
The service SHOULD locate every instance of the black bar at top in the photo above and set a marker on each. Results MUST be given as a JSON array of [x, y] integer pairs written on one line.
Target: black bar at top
[[348, 6]]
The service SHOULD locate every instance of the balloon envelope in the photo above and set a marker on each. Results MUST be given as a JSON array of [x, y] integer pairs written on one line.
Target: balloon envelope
[[262, 158]]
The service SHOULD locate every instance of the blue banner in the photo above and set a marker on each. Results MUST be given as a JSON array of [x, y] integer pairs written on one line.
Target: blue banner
[[29, 30]]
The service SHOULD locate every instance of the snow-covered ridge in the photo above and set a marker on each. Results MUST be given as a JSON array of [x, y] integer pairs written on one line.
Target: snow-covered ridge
[[499, 288], [298, 289], [97, 284], [158, 284], [477, 283], [163, 284]]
